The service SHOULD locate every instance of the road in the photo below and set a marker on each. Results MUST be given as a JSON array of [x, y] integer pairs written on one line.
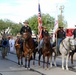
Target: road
[[9, 66]]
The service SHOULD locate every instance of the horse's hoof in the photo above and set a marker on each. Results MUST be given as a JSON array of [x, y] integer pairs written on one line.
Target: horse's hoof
[[28, 68], [67, 69], [46, 68], [21, 63], [18, 63], [63, 68], [25, 66], [51, 66], [55, 65]]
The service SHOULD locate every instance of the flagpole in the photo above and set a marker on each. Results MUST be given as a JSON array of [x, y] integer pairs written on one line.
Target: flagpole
[[56, 31], [39, 24], [55, 28]]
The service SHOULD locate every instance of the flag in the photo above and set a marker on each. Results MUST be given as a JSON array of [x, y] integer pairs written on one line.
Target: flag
[[55, 26], [39, 22]]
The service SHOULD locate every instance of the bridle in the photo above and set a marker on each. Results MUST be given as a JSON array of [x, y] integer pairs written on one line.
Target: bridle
[[69, 45]]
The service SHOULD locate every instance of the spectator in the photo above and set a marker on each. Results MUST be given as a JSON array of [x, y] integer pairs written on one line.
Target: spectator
[[11, 44], [74, 34]]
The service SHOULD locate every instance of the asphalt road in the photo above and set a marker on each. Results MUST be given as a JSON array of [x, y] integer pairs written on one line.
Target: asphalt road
[[9, 66]]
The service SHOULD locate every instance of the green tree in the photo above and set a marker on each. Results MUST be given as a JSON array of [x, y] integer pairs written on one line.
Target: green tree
[[47, 21], [61, 21]]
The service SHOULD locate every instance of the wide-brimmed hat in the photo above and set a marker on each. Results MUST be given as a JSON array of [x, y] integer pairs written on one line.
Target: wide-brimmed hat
[[75, 26], [60, 26], [26, 22], [44, 27]]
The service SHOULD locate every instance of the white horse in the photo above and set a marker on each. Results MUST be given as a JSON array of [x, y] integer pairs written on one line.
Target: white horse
[[65, 47]]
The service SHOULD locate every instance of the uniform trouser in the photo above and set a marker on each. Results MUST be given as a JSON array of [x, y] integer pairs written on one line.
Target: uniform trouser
[[40, 44], [58, 44]]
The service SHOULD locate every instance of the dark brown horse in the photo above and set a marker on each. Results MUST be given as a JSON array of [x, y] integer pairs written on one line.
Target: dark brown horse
[[28, 49], [19, 55], [47, 51], [71, 54]]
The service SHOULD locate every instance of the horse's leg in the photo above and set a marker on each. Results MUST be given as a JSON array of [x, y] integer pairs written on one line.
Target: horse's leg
[[28, 63], [43, 61], [47, 61], [21, 58], [50, 61], [72, 54], [34, 55], [54, 58], [72, 58], [18, 57], [25, 61], [29, 59], [39, 58], [67, 61], [63, 56]]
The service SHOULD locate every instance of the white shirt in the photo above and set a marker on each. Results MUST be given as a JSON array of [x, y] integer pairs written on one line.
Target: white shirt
[[11, 45]]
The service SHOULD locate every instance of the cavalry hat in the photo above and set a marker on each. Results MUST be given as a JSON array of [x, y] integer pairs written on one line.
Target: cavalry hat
[[44, 27], [26, 22], [75, 26], [60, 26]]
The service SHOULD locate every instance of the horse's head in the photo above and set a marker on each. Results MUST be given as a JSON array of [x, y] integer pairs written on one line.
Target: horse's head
[[71, 43], [46, 38], [26, 35]]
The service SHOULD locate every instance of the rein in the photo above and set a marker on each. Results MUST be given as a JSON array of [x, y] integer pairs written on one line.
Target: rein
[[64, 46]]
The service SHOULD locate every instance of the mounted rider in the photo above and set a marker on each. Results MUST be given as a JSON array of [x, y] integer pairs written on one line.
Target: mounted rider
[[44, 32], [60, 34], [22, 31]]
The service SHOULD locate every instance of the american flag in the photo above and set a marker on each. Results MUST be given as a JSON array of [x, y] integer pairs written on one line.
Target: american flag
[[39, 22]]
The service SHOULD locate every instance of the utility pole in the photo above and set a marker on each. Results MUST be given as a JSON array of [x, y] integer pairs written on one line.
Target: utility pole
[[61, 9], [61, 12]]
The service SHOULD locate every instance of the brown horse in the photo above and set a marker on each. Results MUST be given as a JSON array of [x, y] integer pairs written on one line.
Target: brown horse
[[19, 55], [28, 48], [71, 54], [47, 51]]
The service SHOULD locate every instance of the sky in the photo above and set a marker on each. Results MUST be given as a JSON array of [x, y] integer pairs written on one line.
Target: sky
[[20, 10]]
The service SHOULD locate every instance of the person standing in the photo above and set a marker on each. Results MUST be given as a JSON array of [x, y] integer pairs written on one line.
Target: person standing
[[11, 44]]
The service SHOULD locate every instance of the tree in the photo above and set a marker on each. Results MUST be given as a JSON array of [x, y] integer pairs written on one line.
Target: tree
[[61, 21], [15, 27], [47, 21]]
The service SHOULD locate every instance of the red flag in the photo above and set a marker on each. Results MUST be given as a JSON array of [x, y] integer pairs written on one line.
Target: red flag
[[39, 22]]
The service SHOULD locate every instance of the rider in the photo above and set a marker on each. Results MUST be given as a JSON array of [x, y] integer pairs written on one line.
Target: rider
[[74, 34], [44, 31], [22, 31], [60, 36]]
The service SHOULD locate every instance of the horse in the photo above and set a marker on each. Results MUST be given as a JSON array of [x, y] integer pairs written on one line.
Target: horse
[[28, 47], [19, 56], [47, 51], [29, 50], [71, 54], [66, 45]]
